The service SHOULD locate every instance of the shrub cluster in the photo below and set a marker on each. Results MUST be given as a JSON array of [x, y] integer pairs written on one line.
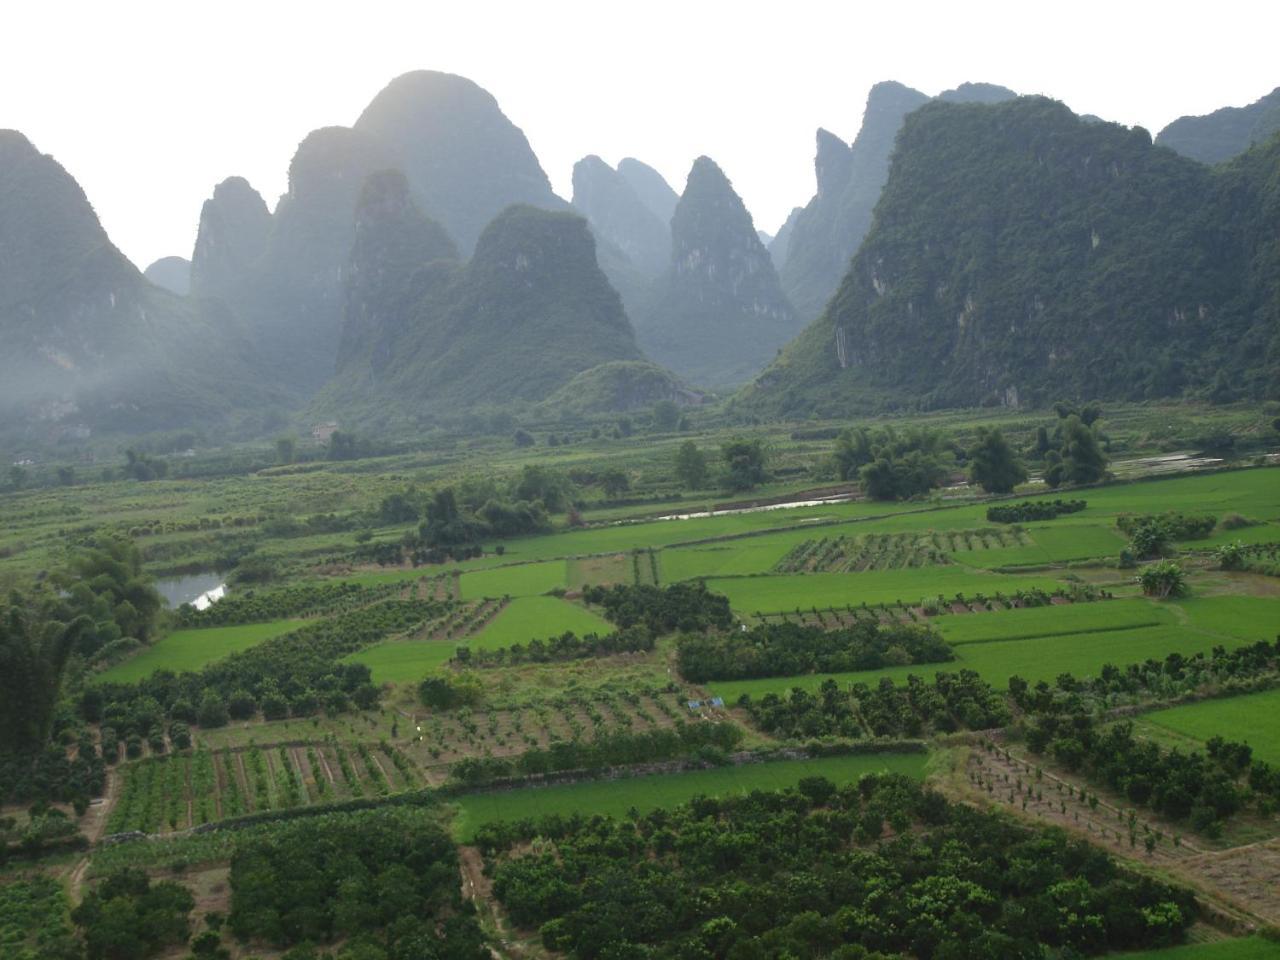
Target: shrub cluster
[[807, 873], [1151, 534], [1177, 785], [386, 883], [789, 649], [609, 748], [567, 646], [953, 701], [296, 674], [681, 606], [1030, 510]]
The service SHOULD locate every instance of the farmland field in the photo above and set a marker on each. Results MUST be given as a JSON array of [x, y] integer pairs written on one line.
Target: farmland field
[[1253, 618], [522, 580], [613, 797], [1248, 948], [192, 649], [597, 708], [1253, 718], [1033, 659], [787, 592], [1052, 621], [525, 618]]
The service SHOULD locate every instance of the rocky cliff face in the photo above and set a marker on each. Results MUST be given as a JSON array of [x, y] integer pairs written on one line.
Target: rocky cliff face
[[827, 231], [171, 273], [780, 246], [1022, 254], [393, 241], [87, 339], [282, 274], [650, 186], [529, 311], [1225, 133], [617, 214], [232, 237], [464, 159], [718, 314]]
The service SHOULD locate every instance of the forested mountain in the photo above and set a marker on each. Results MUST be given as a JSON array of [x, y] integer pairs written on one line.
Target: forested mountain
[[825, 234], [282, 273], [650, 186], [527, 312], [781, 243], [1021, 254], [289, 295], [464, 159], [88, 341], [1225, 133], [232, 235], [617, 214], [172, 273], [718, 314]]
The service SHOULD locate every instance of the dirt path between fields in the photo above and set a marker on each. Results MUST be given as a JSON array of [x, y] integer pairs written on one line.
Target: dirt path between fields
[[1241, 884]]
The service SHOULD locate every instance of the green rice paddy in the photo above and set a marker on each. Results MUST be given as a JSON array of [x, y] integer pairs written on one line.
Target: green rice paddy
[[1253, 718], [193, 649], [616, 797]]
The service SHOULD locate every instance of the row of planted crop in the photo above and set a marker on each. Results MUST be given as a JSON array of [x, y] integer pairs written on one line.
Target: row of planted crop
[[179, 791]]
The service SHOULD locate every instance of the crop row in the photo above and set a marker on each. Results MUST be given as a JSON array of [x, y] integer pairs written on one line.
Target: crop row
[[893, 551], [837, 617], [175, 792]]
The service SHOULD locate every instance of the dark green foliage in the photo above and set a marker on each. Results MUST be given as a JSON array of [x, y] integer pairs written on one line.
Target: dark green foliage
[[744, 464], [1078, 458], [128, 917], [33, 920], [1021, 253], [105, 583], [806, 873], [567, 646], [139, 466], [608, 748], [310, 599], [788, 649], [1151, 534], [303, 666], [691, 466], [529, 311], [1163, 580], [681, 606], [1177, 785], [34, 648], [891, 464], [52, 775], [449, 692], [389, 880], [955, 701], [1225, 133], [993, 465], [1030, 510]]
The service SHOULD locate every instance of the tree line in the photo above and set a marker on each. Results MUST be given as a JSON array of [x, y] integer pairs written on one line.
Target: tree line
[[789, 649], [808, 872]]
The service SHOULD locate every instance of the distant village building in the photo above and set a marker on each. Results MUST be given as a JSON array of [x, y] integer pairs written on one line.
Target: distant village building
[[321, 432]]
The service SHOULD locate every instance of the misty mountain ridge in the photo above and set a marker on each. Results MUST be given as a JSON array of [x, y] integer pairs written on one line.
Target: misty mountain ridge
[[1021, 253], [824, 234], [90, 343]]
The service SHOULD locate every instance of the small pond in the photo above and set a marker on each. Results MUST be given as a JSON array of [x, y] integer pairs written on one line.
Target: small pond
[[198, 589]]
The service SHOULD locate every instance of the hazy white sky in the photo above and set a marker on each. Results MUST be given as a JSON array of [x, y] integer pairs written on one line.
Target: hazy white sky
[[149, 104]]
